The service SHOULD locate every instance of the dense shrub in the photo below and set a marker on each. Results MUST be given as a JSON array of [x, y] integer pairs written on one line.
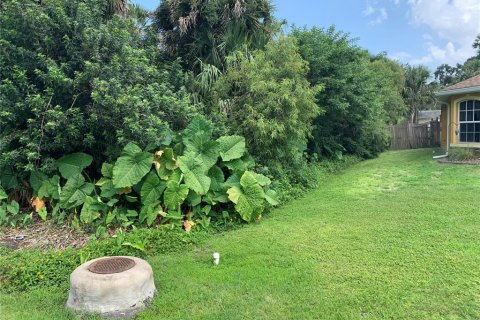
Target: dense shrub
[[354, 119], [76, 79], [463, 154], [265, 97], [195, 181]]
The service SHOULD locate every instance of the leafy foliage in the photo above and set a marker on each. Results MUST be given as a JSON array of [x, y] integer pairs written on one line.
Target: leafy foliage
[[248, 197], [446, 75], [74, 192], [114, 117], [416, 92], [271, 103], [77, 78], [353, 121], [209, 31], [73, 164], [131, 167], [231, 147], [191, 185]]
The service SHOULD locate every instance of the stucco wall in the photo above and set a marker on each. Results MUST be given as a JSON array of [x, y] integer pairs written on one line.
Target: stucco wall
[[454, 119], [443, 127]]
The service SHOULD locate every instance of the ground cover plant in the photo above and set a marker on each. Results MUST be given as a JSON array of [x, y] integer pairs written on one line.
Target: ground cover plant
[[361, 252]]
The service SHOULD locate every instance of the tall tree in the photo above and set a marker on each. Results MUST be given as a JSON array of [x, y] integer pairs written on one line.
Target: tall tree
[[446, 75], [353, 121], [391, 81], [476, 45], [417, 93], [209, 30], [266, 98], [119, 7]]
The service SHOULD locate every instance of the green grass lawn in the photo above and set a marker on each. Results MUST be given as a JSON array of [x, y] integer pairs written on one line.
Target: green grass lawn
[[396, 237]]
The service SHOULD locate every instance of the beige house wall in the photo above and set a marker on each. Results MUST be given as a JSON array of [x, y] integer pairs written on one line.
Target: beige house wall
[[454, 121]]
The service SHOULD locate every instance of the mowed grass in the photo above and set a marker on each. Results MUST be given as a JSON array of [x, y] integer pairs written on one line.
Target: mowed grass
[[396, 237]]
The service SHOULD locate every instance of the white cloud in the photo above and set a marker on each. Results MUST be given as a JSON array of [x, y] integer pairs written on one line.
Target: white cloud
[[401, 56], [455, 22], [378, 15], [369, 10]]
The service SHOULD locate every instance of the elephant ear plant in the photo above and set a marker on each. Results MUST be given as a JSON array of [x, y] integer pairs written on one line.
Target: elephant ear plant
[[195, 180]]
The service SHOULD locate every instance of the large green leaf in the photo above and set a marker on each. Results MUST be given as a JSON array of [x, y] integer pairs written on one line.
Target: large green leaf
[[165, 163], [74, 192], [36, 180], [262, 180], [249, 199], [218, 179], [131, 166], [152, 189], [107, 170], [203, 148], [198, 126], [233, 180], [8, 178], [231, 147], [193, 198], [107, 190], [3, 194], [175, 194], [271, 197], [194, 171], [72, 165], [91, 210], [234, 194], [13, 207], [241, 165], [50, 188]]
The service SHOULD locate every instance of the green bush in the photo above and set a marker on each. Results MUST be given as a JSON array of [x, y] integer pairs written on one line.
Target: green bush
[[195, 181], [354, 121], [265, 97], [74, 78], [310, 176], [462, 154]]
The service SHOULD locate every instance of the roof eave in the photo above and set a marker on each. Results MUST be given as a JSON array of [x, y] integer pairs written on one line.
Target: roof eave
[[446, 93]]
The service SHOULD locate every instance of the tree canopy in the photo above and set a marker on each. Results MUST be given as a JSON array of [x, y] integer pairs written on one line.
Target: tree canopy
[[210, 30]]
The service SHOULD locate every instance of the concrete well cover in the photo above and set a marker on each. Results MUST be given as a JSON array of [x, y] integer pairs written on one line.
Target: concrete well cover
[[111, 265], [120, 293]]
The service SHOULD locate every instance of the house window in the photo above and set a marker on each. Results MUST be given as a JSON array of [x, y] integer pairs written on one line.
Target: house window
[[470, 121]]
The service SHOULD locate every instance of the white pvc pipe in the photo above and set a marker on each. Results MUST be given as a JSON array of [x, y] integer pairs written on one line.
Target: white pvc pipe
[[442, 156]]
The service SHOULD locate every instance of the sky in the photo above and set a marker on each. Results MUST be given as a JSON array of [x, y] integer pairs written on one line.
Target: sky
[[427, 32]]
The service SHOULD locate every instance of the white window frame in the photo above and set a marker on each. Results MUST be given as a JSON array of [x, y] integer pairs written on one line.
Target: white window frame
[[466, 122]]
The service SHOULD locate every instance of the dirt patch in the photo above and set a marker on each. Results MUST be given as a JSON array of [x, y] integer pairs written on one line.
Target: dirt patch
[[474, 162], [42, 235]]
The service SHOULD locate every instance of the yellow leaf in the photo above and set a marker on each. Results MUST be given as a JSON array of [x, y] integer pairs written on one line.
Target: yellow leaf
[[124, 191], [188, 224], [37, 203]]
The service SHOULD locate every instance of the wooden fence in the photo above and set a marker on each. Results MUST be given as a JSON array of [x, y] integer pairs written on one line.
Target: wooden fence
[[414, 136]]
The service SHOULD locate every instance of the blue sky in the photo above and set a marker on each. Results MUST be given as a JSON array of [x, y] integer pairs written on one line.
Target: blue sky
[[428, 32]]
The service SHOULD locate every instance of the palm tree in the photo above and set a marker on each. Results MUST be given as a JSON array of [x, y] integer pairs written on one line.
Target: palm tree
[[417, 92], [119, 7], [207, 31]]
